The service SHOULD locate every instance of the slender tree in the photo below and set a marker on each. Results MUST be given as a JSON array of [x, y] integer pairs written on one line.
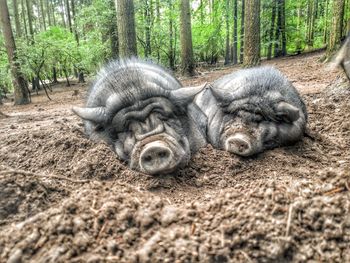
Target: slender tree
[[19, 83], [69, 18], [242, 32], [311, 17], [126, 28], [252, 33], [23, 11], [171, 49], [227, 20], [113, 31], [337, 27], [17, 22], [147, 21], [30, 18], [48, 11], [187, 62], [272, 29], [234, 57], [43, 14], [280, 39]]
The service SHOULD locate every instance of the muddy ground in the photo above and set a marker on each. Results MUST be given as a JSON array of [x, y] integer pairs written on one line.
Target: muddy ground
[[64, 198]]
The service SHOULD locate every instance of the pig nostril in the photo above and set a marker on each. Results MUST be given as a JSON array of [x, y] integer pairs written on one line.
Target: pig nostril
[[147, 158], [242, 147], [162, 154]]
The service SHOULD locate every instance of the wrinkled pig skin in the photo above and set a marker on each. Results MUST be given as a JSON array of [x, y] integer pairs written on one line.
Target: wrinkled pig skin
[[142, 112], [252, 110]]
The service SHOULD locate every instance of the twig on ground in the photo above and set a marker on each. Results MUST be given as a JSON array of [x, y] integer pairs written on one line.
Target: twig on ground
[[289, 220], [53, 176]]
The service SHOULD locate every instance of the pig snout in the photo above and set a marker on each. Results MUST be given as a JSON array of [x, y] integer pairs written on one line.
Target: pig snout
[[156, 158], [239, 144]]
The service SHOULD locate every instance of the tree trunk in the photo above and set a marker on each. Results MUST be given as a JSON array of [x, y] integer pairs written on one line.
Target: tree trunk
[[310, 24], [187, 63], [126, 28], [30, 19], [75, 23], [241, 56], [17, 22], [171, 38], [62, 14], [68, 16], [337, 26], [43, 15], [54, 75], [252, 33], [19, 83], [227, 50], [147, 17], [48, 11], [234, 40], [283, 27], [272, 30], [24, 19], [113, 31], [280, 38]]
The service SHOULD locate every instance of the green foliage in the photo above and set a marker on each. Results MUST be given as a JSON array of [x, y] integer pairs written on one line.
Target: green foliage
[[5, 74], [95, 20]]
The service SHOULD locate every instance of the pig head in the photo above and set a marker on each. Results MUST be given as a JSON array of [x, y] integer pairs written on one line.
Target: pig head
[[140, 110], [252, 110]]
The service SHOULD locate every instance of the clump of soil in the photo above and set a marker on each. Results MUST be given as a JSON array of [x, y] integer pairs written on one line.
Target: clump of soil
[[275, 222], [66, 198]]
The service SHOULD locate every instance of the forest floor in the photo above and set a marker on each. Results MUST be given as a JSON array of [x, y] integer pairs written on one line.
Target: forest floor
[[64, 198]]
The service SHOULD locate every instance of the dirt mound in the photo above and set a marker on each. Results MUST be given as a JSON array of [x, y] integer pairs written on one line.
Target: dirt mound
[[273, 223]]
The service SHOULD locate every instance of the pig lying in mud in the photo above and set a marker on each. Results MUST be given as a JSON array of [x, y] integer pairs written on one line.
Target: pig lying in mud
[[141, 111], [252, 110]]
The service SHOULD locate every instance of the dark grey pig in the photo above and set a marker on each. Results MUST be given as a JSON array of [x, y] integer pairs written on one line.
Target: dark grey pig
[[142, 112], [252, 110]]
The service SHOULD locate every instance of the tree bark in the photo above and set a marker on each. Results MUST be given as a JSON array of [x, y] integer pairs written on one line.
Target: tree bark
[[272, 30], [252, 33], [147, 17], [75, 22], [24, 19], [17, 22], [19, 83], [30, 19], [126, 28], [227, 49], [187, 63], [337, 27], [62, 14], [310, 23], [234, 40], [43, 15], [113, 31], [280, 39], [171, 53], [69, 18], [48, 11], [242, 33]]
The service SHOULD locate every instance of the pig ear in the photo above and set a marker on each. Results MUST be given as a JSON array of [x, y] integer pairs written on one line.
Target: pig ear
[[186, 94], [287, 112], [96, 115]]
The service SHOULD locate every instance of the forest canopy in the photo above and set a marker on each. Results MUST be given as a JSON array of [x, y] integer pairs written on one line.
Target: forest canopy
[[62, 38]]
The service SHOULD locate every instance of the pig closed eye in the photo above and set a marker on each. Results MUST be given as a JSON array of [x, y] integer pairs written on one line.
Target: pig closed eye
[[99, 128]]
